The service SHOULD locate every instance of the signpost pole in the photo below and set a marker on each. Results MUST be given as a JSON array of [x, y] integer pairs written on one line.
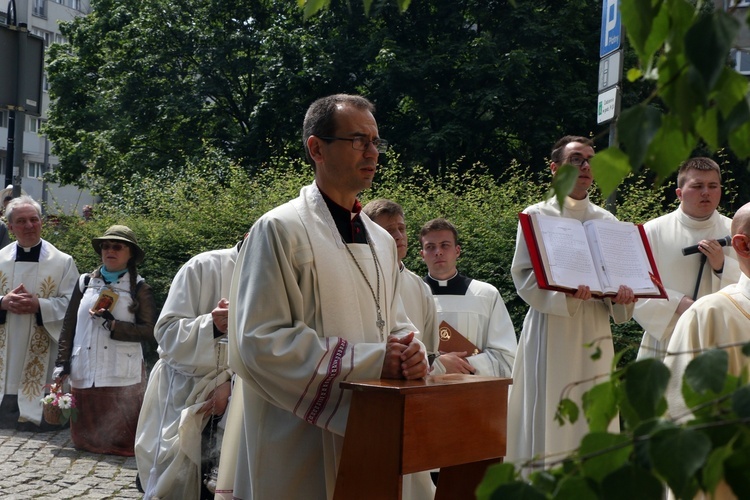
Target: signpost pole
[[610, 75]]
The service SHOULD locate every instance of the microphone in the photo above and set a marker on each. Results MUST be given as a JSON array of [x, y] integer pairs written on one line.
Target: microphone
[[726, 240]]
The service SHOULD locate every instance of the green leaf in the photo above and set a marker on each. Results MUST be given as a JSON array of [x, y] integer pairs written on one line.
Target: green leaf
[[495, 476], [738, 117], [735, 472], [713, 472], [731, 90], [575, 488], [706, 403], [634, 74], [544, 481], [707, 126], [708, 371], [692, 448], [515, 491], [741, 401], [610, 167], [566, 410], [670, 147], [642, 438], [646, 27], [403, 5], [708, 42], [602, 453], [746, 347], [312, 7], [629, 482], [739, 143], [600, 406], [563, 181], [636, 128], [645, 383]]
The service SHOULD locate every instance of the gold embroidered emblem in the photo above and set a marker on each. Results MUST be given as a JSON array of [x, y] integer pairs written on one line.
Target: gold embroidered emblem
[[4, 283], [34, 372], [445, 333], [35, 369], [47, 287]]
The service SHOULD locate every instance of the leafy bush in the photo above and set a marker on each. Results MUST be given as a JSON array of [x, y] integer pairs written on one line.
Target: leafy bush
[[708, 453], [211, 203]]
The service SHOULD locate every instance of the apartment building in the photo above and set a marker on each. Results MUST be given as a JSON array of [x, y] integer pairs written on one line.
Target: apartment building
[[42, 18]]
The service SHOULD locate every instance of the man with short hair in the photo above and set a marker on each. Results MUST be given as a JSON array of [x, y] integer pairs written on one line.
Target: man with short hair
[[36, 282], [695, 221], [473, 308], [419, 306], [415, 293], [315, 300], [553, 360], [715, 320]]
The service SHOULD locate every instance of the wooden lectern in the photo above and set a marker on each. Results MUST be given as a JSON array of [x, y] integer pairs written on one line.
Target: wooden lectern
[[453, 422]]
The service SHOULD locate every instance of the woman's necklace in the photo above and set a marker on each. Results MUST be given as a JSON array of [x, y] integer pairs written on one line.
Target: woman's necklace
[[380, 323]]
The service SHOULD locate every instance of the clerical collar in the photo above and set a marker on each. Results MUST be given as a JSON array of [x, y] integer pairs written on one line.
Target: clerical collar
[[348, 222], [31, 254], [456, 285]]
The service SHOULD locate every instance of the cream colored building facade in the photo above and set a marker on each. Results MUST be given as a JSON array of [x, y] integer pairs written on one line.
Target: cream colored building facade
[[42, 18]]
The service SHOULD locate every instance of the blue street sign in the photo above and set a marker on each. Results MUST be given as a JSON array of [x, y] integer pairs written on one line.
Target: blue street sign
[[611, 27]]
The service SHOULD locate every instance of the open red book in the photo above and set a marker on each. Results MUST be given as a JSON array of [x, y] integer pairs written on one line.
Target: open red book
[[602, 254], [451, 340]]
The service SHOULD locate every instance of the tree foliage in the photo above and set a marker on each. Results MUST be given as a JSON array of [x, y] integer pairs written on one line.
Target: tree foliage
[[698, 99], [147, 86]]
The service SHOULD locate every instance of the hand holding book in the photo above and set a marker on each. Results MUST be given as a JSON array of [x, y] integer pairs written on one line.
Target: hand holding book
[[610, 257]]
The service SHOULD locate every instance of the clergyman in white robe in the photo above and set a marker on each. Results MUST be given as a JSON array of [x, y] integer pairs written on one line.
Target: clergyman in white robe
[[28, 342], [477, 311], [551, 352], [304, 319], [718, 319], [668, 235], [192, 363]]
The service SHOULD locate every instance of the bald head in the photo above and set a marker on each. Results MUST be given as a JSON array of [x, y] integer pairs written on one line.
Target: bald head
[[741, 220], [741, 238]]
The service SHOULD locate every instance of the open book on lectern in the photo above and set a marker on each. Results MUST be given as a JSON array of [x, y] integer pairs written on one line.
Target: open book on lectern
[[602, 254]]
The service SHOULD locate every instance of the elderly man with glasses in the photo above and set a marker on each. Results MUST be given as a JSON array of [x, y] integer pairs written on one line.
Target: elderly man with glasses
[[552, 351], [36, 283]]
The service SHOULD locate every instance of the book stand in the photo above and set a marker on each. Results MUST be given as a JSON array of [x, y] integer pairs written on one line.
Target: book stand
[[453, 422]]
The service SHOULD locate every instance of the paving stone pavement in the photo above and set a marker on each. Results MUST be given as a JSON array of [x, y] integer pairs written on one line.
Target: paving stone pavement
[[46, 465]]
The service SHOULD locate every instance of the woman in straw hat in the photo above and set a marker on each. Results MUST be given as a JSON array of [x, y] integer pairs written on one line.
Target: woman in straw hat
[[111, 312]]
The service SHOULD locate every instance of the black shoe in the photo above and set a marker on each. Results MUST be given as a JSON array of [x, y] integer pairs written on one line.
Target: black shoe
[[138, 483]]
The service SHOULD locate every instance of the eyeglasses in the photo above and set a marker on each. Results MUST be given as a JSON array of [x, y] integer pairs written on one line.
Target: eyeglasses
[[361, 144], [578, 161], [112, 246]]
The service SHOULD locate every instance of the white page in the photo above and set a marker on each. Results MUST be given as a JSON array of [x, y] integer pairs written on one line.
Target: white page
[[568, 252], [623, 255]]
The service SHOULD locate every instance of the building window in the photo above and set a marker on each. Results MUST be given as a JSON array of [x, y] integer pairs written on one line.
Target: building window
[[33, 124], [34, 169], [48, 36], [40, 8], [743, 62], [2, 168], [4, 119], [73, 4]]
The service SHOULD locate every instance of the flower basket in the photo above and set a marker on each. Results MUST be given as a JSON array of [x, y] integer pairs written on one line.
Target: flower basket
[[58, 407], [52, 414]]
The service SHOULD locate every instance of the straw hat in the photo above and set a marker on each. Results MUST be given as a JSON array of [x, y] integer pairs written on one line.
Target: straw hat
[[119, 233]]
